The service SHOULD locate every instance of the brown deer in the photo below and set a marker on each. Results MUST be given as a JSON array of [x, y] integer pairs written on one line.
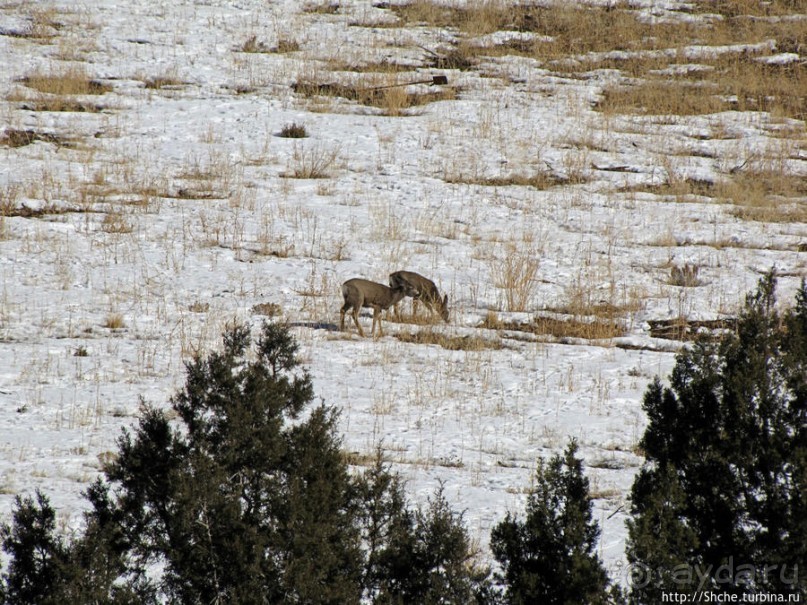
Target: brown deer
[[360, 293], [424, 290]]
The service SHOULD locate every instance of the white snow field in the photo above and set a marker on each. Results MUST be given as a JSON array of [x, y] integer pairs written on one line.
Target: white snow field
[[142, 213]]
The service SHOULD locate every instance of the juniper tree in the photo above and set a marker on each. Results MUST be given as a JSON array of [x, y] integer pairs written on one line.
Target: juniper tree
[[549, 555], [721, 503], [241, 494]]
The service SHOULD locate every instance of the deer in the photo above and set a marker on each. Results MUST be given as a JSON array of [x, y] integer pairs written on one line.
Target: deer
[[424, 290], [360, 293]]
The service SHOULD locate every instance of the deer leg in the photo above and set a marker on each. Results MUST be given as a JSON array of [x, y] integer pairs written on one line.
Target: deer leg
[[356, 321], [427, 303], [377, 318]]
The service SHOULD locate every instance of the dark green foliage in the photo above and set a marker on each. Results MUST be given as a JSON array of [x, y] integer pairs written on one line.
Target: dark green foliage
[[247, 503], [37, 555], [421, 556], [245, 498], [722, 495], [550, 557]]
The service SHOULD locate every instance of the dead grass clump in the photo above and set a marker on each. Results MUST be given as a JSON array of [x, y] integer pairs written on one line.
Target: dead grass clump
[[42, 26], [8, 209], [253, 45], [393, 97], [65, 105], [267, 309], [580, 29], [756, 85], [323, 8], [451, 343], [748, 8], [765, 195], [594, 329], [286, 45], [685, 276], [732, 83], [115, 222], [199, 307], [655, 97], [538, 180], [569, 327], [312, 162], [775, 211], [114, 321], [516, 273], [683, 329], [56, 92], [676, 187], [293, 131], [474, 18], [462, 56], [14, 138], [71, 82], [160, 82]]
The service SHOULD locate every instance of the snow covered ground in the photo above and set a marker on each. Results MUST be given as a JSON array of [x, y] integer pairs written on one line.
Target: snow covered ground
[[134, 231]]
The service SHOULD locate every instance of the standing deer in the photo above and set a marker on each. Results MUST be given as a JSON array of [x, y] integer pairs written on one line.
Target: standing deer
[[360, 293], [424, 290]]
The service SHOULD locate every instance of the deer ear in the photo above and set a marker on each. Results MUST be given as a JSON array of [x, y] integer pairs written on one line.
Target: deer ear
[[445, 300]]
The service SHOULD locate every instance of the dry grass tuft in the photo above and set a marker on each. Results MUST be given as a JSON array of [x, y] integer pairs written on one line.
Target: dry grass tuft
[[451, 343], [766, 195], [293, 131], [42, 26], [683, 329], [253, 45], [539, 180], [57, 92], [160, 82], [114, 321], [115, 222], [563, 327], [514, 269], [267, 309], [322, 8], [14, 138], [312, 162], [685, 276], [384, 92], [70, 82]]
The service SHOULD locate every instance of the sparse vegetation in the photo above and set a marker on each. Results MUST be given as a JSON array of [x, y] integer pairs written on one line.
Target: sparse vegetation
[[70, 82], [114, 321], [293, 131], [685, 275], [385, 92], [160, 82], [450, 342], [314, 161]]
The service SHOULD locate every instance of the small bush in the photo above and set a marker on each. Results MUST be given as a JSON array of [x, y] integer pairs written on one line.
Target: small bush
[[253, 45], [312, 162], [685, 276], [293, 131], [114, 321]]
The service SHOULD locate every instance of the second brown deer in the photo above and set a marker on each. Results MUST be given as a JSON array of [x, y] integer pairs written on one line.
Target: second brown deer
[[360, 293], [423, 289]]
